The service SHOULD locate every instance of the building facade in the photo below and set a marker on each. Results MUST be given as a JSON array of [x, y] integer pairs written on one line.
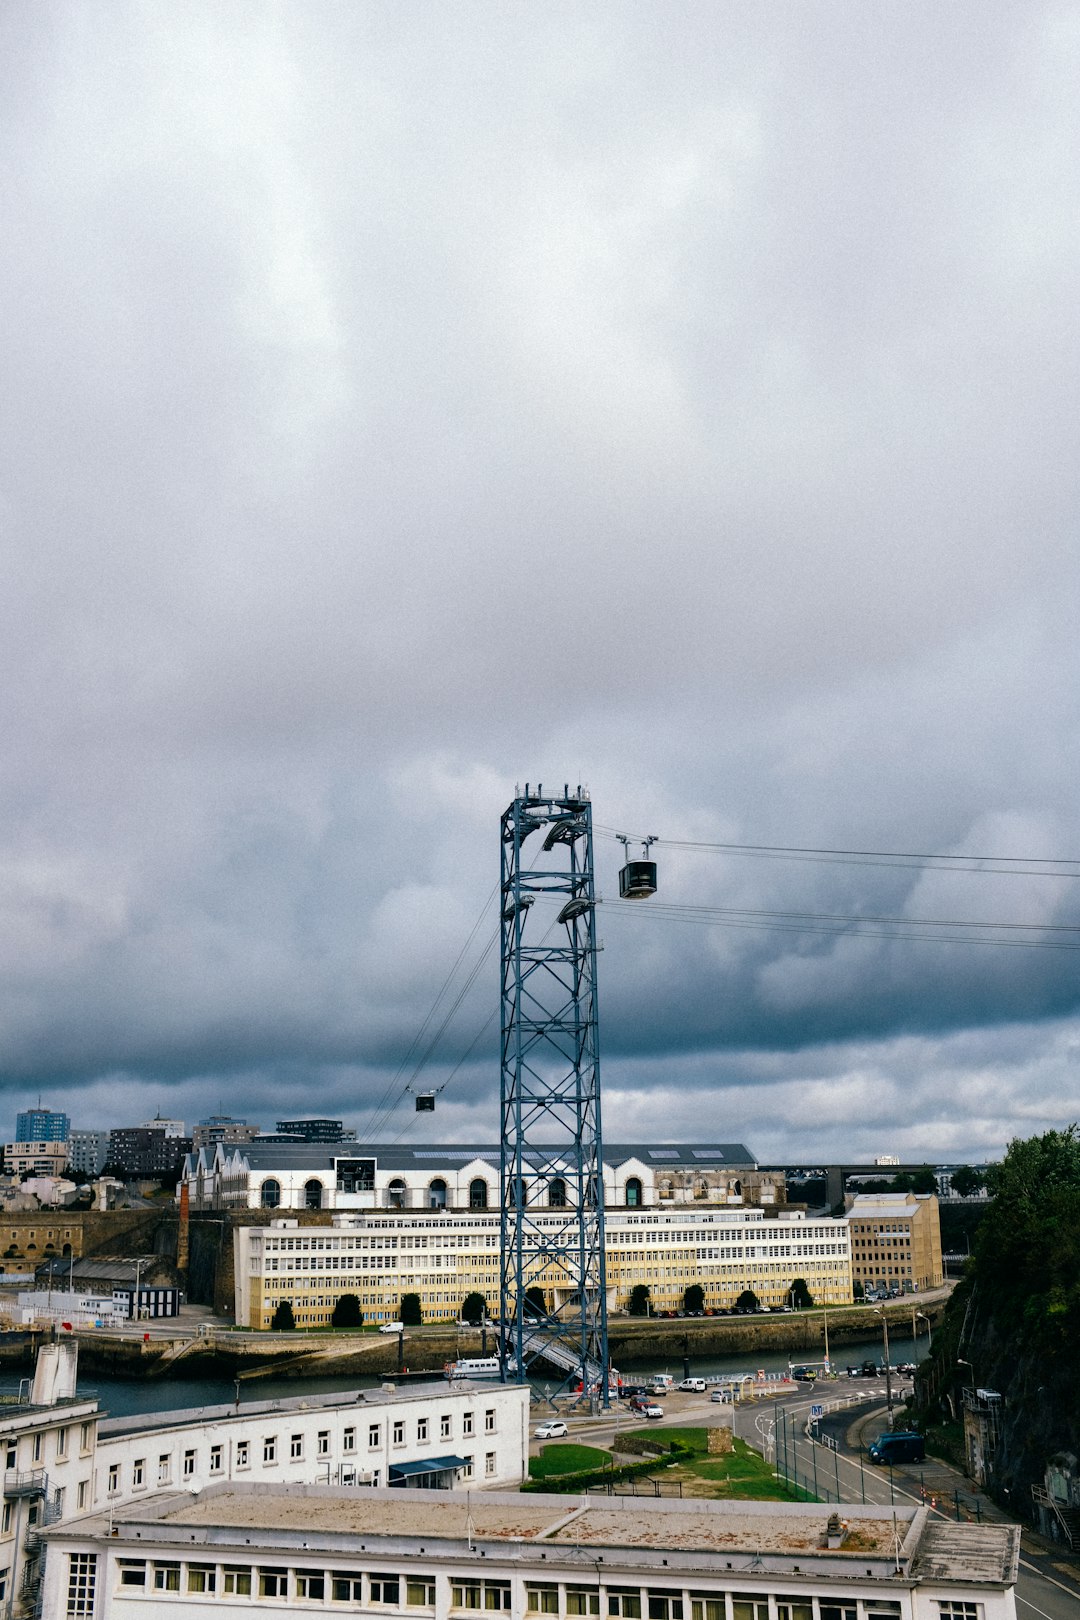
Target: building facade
[[147, 1150], [222, 1128], [41, 1125], [446, 1255], [284, 1174], [895, 1242], [460, 1556], [44, 1157], [430, 1434], [88, 1152]]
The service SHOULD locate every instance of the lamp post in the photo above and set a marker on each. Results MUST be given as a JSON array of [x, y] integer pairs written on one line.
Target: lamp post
[[825, 1310], [919, 1317], [880, 1310]]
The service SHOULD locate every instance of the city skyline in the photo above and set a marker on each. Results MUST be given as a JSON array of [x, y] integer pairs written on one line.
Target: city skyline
[[404, 406]]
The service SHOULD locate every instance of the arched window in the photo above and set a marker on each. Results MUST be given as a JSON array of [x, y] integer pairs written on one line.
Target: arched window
[[437, 1193], [736, 1187], [557, 1192], [633, 1192], [396, 1193], [270, 1196], [313, 1191], [478, 1193]]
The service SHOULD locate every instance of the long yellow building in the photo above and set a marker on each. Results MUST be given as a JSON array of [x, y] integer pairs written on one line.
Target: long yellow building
[[444, 1256]]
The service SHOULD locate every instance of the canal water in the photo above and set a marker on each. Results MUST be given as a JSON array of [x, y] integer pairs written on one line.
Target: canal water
[[125, 1397]]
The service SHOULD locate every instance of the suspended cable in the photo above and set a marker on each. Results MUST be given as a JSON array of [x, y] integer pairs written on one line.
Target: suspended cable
[[1001, 865], [767, 922]]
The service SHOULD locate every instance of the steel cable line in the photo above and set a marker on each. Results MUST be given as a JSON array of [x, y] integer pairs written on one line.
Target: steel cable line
[[682, 907], [392, 1085], [768, 921], [428, 1051], [1001, 865]]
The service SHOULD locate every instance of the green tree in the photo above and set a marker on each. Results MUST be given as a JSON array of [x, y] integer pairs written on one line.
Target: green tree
[[535, 1303], [693, 1299], [347, 1312], [748, 1301], [856, 1289], [474, 1309], [411, 1314], [968, 1180], [283, 1318], [640, 1300], [801, 1297], [1027, 1248]]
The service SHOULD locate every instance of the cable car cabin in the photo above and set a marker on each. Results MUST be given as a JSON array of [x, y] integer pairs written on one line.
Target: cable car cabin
[[637, 880], [425, 1102]]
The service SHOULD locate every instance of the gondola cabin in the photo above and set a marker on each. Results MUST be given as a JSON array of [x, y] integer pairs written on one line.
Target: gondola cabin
[[637, 880], [425, 1102]]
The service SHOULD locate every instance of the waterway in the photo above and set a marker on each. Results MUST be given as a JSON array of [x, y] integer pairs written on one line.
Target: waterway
[[125, 1397]]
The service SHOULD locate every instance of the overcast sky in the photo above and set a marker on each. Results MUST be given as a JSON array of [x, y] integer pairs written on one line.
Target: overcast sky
[[405, 402]]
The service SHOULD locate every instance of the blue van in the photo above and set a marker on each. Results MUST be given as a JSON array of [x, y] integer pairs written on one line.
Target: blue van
[[900, 1447]]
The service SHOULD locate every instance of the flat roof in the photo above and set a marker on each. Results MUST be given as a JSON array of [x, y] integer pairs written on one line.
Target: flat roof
[[525, 1528], [361, 1399]]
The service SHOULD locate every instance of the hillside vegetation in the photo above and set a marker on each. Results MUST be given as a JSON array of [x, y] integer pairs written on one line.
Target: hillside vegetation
[[1015, 1317]]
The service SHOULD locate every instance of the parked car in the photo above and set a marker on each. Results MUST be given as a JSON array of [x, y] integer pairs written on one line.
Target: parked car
[[721, 1395], [654, 1411], [644, 1407], [391, 1327], [553, 1429], [692, 1386]]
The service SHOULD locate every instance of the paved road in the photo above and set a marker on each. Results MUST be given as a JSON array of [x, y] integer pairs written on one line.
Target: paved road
[[1048, 1587]]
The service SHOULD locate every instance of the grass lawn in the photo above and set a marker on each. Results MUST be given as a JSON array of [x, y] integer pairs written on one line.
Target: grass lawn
[[742, 1475], [566, 1458]]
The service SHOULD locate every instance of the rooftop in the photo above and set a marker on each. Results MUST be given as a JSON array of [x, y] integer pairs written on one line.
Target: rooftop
[[147, 1422], [429, 1158], [525, 1529]]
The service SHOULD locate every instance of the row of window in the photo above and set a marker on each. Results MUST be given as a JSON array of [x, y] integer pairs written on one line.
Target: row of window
[[469, 1596], [272, 1446], [61, 1452]]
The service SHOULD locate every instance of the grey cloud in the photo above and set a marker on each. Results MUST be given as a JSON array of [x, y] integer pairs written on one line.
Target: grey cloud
[[402, 405]]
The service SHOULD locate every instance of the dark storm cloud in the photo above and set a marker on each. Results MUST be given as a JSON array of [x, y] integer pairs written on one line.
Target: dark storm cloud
[[399, 405]]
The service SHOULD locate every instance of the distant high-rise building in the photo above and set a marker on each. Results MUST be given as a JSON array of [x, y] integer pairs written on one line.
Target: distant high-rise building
[[315, 1130], [41, 1125], [171, 1127], [88, 1152], [146, 1151], [222, 1128]]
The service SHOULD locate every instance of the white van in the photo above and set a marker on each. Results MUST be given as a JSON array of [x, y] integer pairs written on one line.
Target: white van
[[693, 1386], [391, 1327]]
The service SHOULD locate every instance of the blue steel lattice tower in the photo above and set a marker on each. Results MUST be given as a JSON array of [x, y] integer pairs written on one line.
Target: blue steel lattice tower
[[553, 1301]]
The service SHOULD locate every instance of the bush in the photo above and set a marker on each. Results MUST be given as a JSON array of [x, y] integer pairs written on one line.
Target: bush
[[640, 1300], [474, 1309], [283, 1318], [411, 1314], [347, 1312], [694, 1299]]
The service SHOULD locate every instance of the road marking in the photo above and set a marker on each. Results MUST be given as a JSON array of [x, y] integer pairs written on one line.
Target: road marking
[[1041, 1573], [1033, 1608]]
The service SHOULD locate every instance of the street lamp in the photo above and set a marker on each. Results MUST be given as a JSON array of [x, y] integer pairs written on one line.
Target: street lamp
[[919, 1317], [880, 1311]]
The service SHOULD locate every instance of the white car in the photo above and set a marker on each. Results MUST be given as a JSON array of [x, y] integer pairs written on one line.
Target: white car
[[720, 1395], [391, 1327], [552, 1430]]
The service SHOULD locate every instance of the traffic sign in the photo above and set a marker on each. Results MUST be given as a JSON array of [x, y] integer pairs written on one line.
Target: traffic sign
[[816, 1411]]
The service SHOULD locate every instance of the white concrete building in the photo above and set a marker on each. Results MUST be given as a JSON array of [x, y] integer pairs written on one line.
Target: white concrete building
[[431, 1435], [443, 1256], [346, 1176], [48, 1443], [458, 1556]]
